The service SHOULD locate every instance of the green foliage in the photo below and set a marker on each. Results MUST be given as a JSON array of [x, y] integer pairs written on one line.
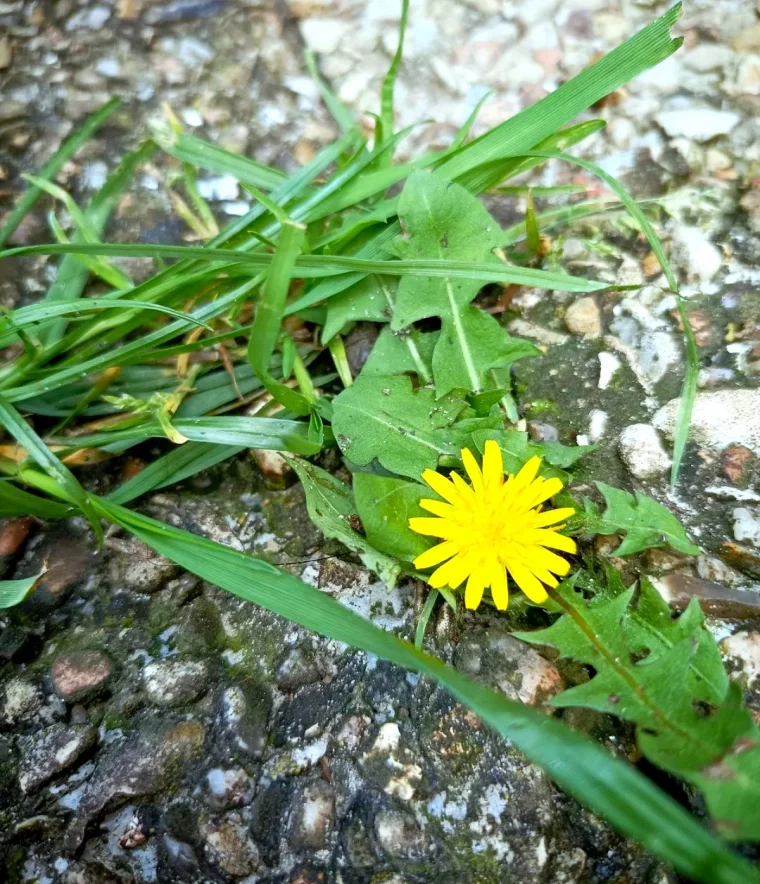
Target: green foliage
[[644, 522], [443, 220], [13, 592], [331, 507], [516, 449], [665, 676], [382, 417], [385, 505]]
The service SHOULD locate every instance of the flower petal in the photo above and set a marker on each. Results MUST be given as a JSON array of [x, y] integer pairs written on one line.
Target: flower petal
[[527, 581], [550, 539], [443, 486], [527, 473], [435, 555], [549, 560], [547, 489], [452, 573], [493, 465], [472, 469], [551, 517], [434, 527], [476, 583], [439, 508], [499, 588], [466, 493]]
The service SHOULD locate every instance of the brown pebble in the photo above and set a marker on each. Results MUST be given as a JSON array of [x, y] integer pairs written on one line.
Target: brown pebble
[[13, 533], [80, 674], [735, 460]]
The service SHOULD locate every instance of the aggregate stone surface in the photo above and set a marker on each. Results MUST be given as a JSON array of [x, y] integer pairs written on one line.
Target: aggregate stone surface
[[188, 737]]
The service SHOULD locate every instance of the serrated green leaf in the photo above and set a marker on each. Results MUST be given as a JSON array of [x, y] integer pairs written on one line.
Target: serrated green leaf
[[645, 522], [441, 220], [489, 346], [383, 418], [666, 677], [385, 506], [517, 449], [369, 300], [331, 504], [402, 352]]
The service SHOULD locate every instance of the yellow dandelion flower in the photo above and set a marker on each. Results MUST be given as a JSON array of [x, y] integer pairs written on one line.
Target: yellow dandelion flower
[[492, 527]]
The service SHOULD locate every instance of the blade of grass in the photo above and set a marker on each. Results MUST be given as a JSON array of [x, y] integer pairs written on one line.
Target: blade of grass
[[526, 129], [249, 432], [427, 611], [341, 114], [689, 389], [314, 266], [39, 452], [35, 313], [13, 592], [140, 346], [386, 121], [55, 164], [610, 787], [16, 502], [269, 311], [177, 465]]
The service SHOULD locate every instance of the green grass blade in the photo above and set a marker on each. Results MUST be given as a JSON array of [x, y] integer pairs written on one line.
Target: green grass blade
[[55, 164], [35, 313], [341, 114], [389, 85], [179, 464], [36, 449], [267, 324], [315, 266], [122, 354], [689, 390], [72, 277], [645, 49], [611, 788], [16, 502], [249, 432], [13, 592]]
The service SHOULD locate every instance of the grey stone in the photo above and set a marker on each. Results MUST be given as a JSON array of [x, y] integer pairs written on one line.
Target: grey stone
[[228, 788], [400, 836], [313, 816], [171, 683], [500, 661], [698, 124], [52, 751], [642, 451], [137, 567], [150, 759], [297, 669], [21, 699], [720, 418]]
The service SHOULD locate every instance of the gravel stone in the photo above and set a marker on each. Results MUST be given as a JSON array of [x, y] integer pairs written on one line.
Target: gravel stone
[[313, 816], [51, 751], [171, 683], [720, 418], [80, 675], [230, 847], [642, 451], [583, 317]]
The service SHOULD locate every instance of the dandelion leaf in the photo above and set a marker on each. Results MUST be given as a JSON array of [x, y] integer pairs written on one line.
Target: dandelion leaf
[[441, 219], [382, 417], [645, 522], [331, 505], [666, 677]]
